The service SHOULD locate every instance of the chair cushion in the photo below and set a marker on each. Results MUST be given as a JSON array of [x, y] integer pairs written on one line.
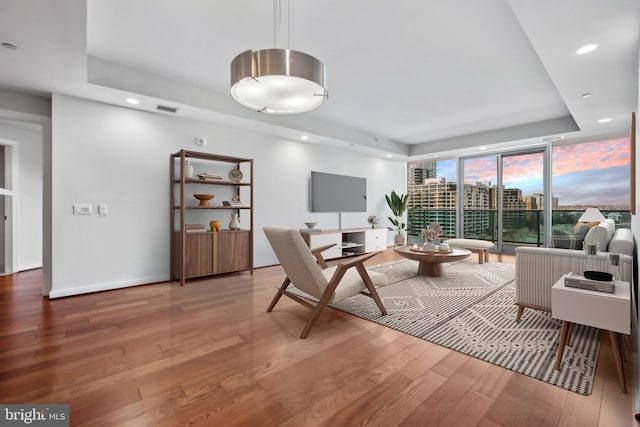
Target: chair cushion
[[296, 260], [352, 283]]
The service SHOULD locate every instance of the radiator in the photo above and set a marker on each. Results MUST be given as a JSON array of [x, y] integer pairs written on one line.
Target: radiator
[[538, 269]]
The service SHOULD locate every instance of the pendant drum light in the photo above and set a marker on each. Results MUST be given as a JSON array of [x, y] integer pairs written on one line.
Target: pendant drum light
[[278, 81]]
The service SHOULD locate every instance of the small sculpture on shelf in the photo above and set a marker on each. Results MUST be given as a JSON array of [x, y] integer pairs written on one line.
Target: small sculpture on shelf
[[235, 201], [215, 225]]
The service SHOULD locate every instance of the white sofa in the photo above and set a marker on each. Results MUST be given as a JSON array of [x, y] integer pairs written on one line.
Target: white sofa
[[537, 269]]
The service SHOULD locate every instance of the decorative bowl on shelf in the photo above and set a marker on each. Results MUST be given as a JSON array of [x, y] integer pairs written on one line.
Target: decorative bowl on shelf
[[204, 199], [310, 224]]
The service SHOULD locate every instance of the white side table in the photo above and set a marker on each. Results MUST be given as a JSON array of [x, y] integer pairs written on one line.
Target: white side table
[[611, 312]]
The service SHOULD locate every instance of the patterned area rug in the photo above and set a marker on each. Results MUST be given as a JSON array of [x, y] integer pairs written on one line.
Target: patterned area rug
[[471, 310]]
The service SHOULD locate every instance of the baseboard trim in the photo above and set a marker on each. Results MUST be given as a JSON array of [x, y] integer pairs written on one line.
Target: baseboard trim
[[29, 267], [59, 293]]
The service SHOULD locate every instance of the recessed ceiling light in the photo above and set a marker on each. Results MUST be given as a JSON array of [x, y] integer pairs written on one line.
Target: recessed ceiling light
[[389, 156], [586, 49], [586, 95], [9, 46], [482, 148], [304, 137], [133, 101], [605, 120]]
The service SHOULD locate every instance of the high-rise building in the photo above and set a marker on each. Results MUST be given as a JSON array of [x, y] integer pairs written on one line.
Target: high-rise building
[[433, 199]]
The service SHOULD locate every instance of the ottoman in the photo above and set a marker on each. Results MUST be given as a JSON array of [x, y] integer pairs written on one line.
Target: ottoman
[[480, 247]]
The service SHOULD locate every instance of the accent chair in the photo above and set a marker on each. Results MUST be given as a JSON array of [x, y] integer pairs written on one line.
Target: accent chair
[[307, 270]]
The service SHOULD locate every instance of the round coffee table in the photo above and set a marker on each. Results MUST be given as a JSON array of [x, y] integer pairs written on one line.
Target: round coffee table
[[430, 263]]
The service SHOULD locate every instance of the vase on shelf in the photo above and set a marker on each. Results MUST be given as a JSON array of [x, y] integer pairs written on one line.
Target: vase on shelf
[[235, 222], [215, 225], [188, 169]]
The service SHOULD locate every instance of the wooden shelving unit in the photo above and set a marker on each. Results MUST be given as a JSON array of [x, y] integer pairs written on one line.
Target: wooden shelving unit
[[204, 253]]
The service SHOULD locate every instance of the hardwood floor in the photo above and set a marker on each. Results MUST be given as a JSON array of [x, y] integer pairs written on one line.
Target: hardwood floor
[[208, 354]]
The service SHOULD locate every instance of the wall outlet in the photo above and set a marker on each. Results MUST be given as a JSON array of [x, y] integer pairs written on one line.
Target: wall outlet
[[82, 209]]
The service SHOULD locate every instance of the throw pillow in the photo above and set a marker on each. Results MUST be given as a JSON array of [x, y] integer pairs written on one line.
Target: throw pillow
[[568, 240]]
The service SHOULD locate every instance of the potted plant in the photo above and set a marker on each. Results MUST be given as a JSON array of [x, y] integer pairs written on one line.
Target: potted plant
[[398, 205]]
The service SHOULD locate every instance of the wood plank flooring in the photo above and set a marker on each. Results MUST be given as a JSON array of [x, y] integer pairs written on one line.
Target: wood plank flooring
[[208, 354]]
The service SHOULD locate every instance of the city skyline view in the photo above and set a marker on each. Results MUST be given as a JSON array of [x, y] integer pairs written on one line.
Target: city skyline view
[[593, 173]]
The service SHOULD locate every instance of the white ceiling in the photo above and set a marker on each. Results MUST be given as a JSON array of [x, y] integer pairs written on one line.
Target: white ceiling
[[407, 78]]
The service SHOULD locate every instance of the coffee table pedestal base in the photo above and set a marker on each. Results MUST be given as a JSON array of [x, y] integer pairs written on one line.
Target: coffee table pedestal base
[[431, 269]]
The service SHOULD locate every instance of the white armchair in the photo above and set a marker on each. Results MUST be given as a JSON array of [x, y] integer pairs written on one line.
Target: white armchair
[[537, 269]]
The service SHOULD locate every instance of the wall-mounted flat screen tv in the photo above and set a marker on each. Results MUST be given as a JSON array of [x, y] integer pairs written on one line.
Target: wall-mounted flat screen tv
[[337, 193]]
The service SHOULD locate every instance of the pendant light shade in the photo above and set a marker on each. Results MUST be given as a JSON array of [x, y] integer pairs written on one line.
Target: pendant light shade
[[278, 81]]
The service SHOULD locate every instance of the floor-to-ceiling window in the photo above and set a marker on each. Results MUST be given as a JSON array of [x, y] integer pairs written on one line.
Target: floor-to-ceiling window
[[587, 174], [502, 199], [478, 198], [591, 174], [432, 196], [523, 199]]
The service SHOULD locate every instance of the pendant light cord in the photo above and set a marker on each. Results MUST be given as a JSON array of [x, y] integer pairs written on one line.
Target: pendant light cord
[[277, 20]]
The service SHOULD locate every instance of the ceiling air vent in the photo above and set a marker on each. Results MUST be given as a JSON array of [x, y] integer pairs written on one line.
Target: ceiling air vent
[[167, 109]]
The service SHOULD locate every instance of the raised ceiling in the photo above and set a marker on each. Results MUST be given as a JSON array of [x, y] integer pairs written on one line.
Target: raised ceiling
[[406, 78]]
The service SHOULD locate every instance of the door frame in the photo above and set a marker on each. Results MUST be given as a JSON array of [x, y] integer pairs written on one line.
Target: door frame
[[10, 193], [545, 150]]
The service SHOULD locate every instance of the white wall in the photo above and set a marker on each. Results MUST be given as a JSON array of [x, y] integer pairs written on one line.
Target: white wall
[[27, 140], [120, 156]]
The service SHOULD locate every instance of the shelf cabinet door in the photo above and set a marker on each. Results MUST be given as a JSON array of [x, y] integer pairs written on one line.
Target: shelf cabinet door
[[233, 251], [198, 254], [375, 240], [317, 240]]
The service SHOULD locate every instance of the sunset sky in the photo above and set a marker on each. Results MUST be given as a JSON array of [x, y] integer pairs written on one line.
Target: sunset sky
[[595, 173]]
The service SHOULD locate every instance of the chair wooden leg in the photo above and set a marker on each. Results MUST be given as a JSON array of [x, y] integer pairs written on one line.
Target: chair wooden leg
[[280, 292], [324, 299], [372, 289], [314, 316], [519, 313]]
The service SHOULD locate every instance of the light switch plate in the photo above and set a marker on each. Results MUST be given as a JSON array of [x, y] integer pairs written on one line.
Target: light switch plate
[[102, 208], [82, 208]]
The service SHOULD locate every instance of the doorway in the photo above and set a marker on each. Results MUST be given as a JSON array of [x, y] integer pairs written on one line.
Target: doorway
[[503, 198], [8, 182]]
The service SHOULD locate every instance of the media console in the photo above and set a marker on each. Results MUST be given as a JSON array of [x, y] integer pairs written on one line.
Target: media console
[[352, 241]]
